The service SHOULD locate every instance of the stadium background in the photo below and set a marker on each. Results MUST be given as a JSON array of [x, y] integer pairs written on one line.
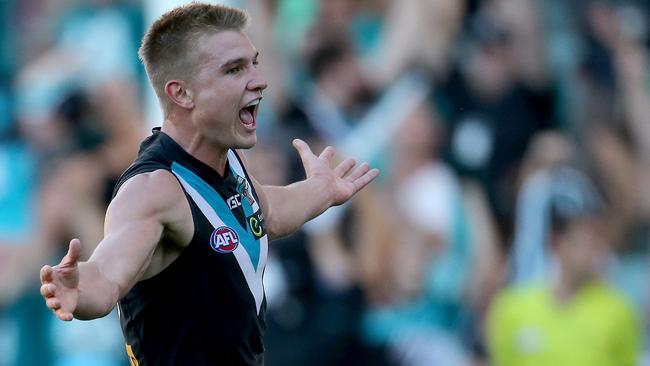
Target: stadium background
[[464, 105]]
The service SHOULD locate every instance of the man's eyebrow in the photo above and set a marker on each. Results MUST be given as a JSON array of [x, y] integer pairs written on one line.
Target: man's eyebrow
[[239, 61]]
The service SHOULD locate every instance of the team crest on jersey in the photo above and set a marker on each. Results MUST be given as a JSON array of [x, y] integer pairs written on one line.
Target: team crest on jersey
[[224, 239], [244, 189]]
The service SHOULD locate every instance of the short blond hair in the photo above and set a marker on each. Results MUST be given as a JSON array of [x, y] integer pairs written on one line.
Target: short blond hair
[[166, 47]]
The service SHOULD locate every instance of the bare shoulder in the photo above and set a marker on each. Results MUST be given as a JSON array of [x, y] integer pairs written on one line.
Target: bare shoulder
[[153, 193], [149, 209]]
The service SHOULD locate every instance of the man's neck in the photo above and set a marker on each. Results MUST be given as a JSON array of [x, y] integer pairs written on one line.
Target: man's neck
[[565, 288], [198, 147], [563, 292]]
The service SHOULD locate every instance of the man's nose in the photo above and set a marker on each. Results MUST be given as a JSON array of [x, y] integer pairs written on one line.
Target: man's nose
[[258, 82]]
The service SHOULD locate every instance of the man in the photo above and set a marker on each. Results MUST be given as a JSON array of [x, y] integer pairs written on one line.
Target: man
[[575, 319], [187, 230]]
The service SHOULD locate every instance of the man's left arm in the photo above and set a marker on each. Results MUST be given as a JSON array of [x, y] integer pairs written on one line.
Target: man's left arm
[[287, 208]]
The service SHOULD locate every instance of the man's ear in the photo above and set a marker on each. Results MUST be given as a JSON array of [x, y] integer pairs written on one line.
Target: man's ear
[[178, 93]]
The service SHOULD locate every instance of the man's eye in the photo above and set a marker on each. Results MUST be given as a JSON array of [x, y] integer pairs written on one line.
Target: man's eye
[[234, 70]]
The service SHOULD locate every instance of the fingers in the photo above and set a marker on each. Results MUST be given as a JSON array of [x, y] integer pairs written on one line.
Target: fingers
[[302, 147], [48, 290], [63, 315], [74, 250], [344, 167], [53, 303], [358, 172], [303, 150], [327, 154], [365, 179], [360, 176], [46, 274]]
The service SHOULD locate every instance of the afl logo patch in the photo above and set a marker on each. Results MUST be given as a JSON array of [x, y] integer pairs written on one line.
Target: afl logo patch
[[224, 239]]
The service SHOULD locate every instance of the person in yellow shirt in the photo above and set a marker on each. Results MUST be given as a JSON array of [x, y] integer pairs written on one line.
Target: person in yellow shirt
[[574, 318]]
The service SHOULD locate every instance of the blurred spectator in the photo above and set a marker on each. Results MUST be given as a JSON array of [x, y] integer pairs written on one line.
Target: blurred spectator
[[573, 318], [336, 95], [78, 120], [416, 34], [496, 99], [74, 186], [530, 253], [416, 258]]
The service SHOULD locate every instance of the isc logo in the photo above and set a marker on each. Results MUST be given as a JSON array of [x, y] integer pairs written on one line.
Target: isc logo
[[224, 239], [234, 201]]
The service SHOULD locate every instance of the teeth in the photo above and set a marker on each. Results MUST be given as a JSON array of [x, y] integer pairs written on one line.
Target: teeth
[[253, 103]]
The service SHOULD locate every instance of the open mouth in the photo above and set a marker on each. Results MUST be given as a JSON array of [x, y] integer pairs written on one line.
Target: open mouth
[[248, 114]]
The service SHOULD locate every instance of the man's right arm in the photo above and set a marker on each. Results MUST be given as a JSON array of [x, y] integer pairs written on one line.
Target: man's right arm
[[146, 206]]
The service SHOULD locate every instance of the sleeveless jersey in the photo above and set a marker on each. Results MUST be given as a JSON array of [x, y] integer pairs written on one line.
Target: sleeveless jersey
[[207, 306]]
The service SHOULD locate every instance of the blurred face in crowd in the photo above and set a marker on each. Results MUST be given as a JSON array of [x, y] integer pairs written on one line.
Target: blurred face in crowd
[[581, 250], [226, 88], [418, 133], [351, 77], [415, 142], [336, 13], [345, 82], [489, 70]]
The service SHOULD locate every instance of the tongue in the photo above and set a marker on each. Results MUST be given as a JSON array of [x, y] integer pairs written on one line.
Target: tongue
[[246, 116]]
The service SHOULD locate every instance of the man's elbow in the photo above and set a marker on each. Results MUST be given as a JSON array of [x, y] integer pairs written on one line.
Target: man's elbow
[[275, 230]]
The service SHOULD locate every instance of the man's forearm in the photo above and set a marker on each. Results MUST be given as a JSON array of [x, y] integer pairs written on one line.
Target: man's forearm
[[295, 204], [97, 294]]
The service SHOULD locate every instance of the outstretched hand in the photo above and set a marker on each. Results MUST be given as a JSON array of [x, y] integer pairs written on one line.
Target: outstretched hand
[[60, 284], [343, 181]]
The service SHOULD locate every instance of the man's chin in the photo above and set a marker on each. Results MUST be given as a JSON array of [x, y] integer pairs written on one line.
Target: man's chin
[[247, 143]]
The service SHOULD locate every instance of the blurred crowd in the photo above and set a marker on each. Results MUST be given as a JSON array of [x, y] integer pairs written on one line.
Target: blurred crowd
[[510, 224]]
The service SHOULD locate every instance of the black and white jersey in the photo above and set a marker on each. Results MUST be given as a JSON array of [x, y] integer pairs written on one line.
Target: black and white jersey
[[207, 307]]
